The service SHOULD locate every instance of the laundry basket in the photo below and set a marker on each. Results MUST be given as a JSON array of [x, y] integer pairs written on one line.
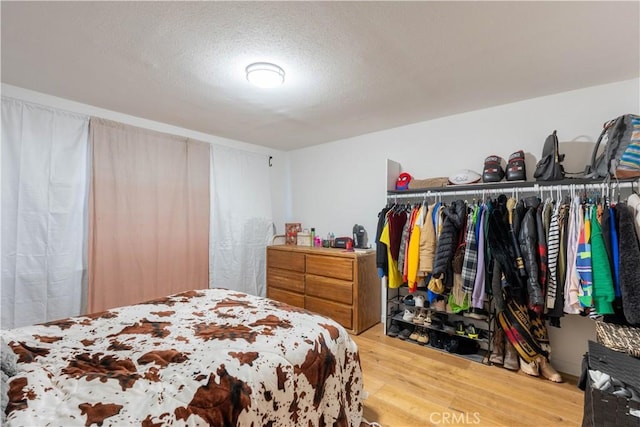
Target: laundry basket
[[605, 409]]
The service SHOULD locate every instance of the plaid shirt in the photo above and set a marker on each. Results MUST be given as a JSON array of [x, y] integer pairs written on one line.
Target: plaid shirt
[[470, 263]]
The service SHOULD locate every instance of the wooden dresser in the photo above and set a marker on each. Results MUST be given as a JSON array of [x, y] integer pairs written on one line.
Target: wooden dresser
[[338, 284]]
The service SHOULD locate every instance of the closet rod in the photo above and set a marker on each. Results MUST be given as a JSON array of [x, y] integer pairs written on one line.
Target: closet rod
[[504, 190]]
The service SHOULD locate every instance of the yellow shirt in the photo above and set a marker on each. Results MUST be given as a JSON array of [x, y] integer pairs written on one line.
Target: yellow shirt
[[395, 278], [413, 253]]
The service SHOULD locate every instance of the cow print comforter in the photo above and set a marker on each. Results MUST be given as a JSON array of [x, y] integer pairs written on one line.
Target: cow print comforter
[[206, 357]]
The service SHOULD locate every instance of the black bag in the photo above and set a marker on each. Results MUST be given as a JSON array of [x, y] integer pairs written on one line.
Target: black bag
[[620, 157], [549, 167]]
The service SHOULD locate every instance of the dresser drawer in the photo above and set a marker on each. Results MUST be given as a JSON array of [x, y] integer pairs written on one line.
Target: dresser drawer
[[286, 297], [339, 312], [337, 267], [329, 289], [285, 279], [286, 260]]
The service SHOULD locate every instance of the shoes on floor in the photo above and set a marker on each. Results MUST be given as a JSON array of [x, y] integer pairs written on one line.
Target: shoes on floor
[[408, 315], [394, 329]]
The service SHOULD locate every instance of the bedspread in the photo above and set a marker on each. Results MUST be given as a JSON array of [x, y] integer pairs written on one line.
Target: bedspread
[[206, 357]]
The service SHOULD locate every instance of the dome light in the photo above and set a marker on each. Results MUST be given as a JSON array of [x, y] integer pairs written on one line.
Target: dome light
[[265, 74]]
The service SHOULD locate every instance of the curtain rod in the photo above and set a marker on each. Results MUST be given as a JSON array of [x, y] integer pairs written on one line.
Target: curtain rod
[[536, 188]]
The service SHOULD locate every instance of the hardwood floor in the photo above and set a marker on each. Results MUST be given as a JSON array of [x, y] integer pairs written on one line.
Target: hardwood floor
[[413, 385]]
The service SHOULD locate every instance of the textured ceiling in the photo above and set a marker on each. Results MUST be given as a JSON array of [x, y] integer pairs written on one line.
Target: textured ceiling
[[352, 67]]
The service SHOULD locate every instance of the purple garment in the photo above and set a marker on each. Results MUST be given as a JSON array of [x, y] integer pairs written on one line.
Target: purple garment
[[477, 299]]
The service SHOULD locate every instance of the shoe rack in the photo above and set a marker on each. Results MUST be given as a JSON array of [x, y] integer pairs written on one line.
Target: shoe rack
[[435, 327]]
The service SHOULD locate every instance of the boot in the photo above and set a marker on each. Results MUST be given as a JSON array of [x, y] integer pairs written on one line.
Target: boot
[[510, 357], [547, 370], [529, 368], [497, 351]]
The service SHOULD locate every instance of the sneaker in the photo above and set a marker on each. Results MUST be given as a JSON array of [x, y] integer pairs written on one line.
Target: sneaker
[[477, 313], [419, 300], [408, 300], [394, 329], [405, 333], [419, 318], [427, 320], [438, 305], [414, 336], [423, 338], [471, 331], [460, 330], [408, 315]]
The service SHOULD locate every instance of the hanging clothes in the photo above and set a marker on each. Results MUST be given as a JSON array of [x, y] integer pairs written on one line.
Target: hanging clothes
[[572, 280], [583, 262], [629, 250], [382, 262], [427, 242], [413, 250], [470, 263], [603, 292], [553, 247]]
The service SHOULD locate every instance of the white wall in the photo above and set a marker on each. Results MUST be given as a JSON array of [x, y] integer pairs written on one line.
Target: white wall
[[281, 201], [341, 183]]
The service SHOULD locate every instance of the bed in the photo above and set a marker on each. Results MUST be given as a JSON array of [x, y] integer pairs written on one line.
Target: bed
[[206, 357]]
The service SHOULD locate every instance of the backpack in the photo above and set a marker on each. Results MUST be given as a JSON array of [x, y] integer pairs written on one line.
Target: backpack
[[621, 155], [549, 167]]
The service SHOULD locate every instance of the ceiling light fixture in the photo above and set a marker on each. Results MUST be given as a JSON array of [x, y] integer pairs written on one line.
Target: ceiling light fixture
[[265, 74]]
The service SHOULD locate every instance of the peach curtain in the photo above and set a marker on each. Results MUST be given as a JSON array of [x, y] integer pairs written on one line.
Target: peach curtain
[[149, 215]]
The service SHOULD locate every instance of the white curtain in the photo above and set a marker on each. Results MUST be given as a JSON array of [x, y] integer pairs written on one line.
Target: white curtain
[[44, 213], [241, 220]]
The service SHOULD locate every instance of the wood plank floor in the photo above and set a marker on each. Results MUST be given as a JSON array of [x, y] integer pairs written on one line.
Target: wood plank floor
[[413, 385]]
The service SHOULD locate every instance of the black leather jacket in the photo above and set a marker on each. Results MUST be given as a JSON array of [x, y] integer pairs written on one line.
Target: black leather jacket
[[528, 241]]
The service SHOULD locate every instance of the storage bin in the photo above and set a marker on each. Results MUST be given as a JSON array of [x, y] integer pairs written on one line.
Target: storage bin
[[605, 409]]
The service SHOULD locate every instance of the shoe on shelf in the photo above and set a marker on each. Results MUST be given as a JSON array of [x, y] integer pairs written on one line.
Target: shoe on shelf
[[436, 323], [405, 333], [471, 331], [414, 336], [419, 318], [408, 315], [477, 313], [408, 300], [438, 305], [394, 329], [427, 319], [419, 300], [460, 329], [423, 338], [448, 328], [436, 339]]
